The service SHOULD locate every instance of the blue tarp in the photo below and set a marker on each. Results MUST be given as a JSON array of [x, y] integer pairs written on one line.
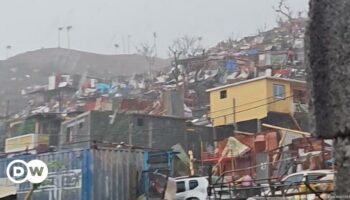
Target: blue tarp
[[103, 88], [231, 65], [252, 52], [330, 161]]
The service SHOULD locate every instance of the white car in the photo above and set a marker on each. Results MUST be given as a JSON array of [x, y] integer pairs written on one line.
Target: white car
[[293, 184], [191, 188]]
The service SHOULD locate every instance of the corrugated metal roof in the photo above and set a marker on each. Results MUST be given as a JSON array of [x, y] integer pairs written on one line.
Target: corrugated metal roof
[[255, 79]]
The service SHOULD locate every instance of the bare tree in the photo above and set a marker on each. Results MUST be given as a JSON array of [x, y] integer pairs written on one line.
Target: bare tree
[[284, 9], [187, 45], [149, 52], [262, 29], [175, 54]]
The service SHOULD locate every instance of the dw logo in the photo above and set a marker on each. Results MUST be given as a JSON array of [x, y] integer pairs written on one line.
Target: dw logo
[[19, 171]]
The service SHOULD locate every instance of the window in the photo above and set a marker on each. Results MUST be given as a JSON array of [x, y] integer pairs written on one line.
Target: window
[[292, 182], [223, 94], [278, 91], [294, 179], [180, 186], [193, 184], [315, 177], [139, 122], [81, 125], [69, 134], [44, 129]]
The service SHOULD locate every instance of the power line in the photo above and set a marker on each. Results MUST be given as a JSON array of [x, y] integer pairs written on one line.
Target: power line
[[264, 104], [248, 109], [38, 143], [108, 128], [82, 135], [267, 98]]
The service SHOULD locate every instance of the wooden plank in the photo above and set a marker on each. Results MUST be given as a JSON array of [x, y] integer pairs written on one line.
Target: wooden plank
[[287, 129]]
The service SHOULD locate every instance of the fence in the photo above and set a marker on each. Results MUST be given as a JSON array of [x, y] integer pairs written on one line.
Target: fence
[[91, 174], [307, 187], [85, 174]]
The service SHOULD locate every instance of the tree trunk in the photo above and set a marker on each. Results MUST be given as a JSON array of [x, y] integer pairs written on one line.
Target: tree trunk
[[342, 162], [327, 44]]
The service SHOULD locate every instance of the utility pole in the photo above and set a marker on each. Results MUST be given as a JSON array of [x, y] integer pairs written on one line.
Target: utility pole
[[116, 46], [234, 114], [123, 40], [68, 28], [128, 41], [155, 44], [130, 131], [328, 64], [59, 36], [150, 134], [190, 154], [7, 109], [8, 48]]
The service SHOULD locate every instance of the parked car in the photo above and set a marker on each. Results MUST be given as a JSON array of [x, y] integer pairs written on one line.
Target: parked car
[[327, 187], [293, 183], [191, 188]]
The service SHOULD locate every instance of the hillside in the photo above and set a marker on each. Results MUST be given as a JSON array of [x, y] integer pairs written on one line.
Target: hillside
[[33, 68]]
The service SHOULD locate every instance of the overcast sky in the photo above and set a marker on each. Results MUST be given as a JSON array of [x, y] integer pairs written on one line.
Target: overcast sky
[[99, 24]]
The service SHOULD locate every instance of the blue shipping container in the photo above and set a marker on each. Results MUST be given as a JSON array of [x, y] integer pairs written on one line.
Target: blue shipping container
[[86, 174]]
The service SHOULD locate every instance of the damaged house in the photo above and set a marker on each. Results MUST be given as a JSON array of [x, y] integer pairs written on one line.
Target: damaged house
[[238, 112]]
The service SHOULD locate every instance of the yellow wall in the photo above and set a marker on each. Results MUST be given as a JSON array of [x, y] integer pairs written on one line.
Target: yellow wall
[[19, 143], [7, 188], [280, 105], [250, 103], [23, 142], [253, 100]]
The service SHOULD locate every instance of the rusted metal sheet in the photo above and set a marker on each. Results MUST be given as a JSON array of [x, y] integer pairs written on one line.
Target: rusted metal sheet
[[247, 140], [308, 144], [271, 141]]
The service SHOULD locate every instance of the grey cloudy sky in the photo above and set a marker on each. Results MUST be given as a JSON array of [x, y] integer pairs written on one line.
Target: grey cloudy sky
[[99, 24]]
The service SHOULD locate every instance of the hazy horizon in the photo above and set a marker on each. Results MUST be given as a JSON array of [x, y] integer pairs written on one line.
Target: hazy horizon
[[98, 25]]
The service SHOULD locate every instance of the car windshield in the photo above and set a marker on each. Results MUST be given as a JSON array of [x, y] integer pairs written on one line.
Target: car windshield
[[314, 178], [293, 179]]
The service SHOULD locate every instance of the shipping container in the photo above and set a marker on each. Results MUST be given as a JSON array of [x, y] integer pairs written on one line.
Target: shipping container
[[93, 174], [90, 174]]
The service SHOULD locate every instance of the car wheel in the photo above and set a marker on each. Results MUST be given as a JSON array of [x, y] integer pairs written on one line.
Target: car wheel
[[192, 198]]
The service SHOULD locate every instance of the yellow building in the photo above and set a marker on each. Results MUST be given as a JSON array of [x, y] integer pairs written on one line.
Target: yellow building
[[41, 129], [253, 99]]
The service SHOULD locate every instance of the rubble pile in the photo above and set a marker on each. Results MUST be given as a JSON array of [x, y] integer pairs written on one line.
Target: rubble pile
[[179, 90]]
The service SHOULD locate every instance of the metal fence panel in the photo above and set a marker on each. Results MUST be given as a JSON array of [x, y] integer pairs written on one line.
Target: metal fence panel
[[116, 173], [262, 172], [64, 180], [84, 174]]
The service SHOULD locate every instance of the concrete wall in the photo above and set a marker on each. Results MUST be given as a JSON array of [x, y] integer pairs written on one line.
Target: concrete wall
[[137, 129], [79, 128]]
